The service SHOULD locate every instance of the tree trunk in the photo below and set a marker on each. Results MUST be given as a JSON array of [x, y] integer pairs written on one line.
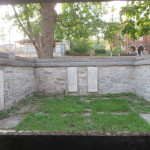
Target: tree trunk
[[45, 41], [111, 50]]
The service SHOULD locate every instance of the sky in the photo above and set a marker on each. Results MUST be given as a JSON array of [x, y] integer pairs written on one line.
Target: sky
[[13, 34]]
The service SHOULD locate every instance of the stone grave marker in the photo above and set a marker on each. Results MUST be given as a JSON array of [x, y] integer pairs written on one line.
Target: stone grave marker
[[92, 79], [72, 79]]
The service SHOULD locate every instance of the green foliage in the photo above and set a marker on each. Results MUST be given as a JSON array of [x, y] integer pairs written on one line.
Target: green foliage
[[135, 19], [112, 32], [70, 52], [100, 45], [29, 13], [79, 21], [100, 51], [4, 114], [117, 50], [112, 29], [81, 47], [76, 21]]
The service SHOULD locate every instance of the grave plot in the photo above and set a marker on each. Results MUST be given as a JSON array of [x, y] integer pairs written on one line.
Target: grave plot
[[81, 113]]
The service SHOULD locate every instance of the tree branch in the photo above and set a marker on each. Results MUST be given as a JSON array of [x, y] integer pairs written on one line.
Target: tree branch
[[24, 29], [30, 29], [67, 26]]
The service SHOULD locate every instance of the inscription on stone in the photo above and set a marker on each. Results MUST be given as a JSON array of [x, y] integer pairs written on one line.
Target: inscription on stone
[[92, 79], [72, 79], [1, 90]]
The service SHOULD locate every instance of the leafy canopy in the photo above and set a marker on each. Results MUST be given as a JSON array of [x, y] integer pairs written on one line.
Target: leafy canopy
[[79, 21], [135, 17], [29, 13], [76, 20]]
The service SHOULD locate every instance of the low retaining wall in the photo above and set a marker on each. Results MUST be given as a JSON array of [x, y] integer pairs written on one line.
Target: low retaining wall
[[113, 75], [20, 77], [114, 79], [142, 78]]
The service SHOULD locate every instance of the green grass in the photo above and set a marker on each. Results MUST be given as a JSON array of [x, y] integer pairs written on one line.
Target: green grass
[[52, 122], [131, 122], [65, 114], [70, 104], [111, 105], [4, 114]]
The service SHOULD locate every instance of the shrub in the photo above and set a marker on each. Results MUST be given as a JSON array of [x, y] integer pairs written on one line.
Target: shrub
[[70, 52], [100, 51], [117, 51], [81, 48]]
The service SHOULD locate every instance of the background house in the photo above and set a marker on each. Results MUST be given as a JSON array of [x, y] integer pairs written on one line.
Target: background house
[[144, 41], [25, 48]]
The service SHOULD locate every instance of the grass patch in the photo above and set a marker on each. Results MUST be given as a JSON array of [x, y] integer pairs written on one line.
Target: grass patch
[[111, 105], [131, 122], [69, 104], [4, 114], [52, 122], [140, 106], [49, 116]]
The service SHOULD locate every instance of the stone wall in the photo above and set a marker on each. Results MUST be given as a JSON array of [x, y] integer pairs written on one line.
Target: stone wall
[[18, 83], [113, 75], [51, 80], [116, 79], [142, 78], [20, 77], [1, 90], [109, 79]]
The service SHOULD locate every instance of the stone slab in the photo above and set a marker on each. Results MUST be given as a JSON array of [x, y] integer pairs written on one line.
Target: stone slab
[[72, 79], [1, 90], [11, 122], [120, 113], [92, 79], [84, 64], [14, 62]]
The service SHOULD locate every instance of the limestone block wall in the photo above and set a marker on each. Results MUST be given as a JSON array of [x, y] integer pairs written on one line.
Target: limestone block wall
[[18, 83], [142, 78], [18, 80], [20, 77], [51, 80], [1, 90], [112, 76], [116, 79], [109, 80]]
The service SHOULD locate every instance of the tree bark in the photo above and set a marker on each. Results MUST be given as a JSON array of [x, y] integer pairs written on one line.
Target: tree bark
[[45, 41]]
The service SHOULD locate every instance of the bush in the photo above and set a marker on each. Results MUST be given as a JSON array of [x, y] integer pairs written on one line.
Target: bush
[[100, 51], [81, 48], [70, 52], [117, 51]]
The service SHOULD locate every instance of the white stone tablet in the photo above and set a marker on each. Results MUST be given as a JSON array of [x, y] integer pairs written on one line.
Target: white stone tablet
[[1, 90], [92, 79], [72, 79]]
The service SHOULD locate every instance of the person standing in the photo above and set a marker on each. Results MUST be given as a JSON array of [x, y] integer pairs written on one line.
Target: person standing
[[140, 49]]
